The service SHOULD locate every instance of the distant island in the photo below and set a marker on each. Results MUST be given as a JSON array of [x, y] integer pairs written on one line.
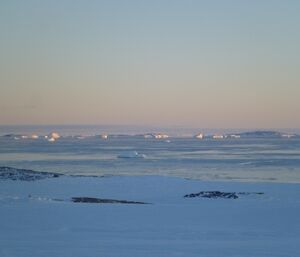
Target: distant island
[[266, 134], [250, 134]]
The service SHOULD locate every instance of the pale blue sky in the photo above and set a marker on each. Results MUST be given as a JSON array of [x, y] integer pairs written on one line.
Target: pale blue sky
[[222, 64]]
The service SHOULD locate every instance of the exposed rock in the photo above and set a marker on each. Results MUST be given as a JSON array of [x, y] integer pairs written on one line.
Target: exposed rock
[[213, 194], [251, 193], [11, 135], [219, 194], [24, 175], [99, 200]]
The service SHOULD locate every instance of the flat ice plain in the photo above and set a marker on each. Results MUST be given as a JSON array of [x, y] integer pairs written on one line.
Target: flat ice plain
[[34, 223]]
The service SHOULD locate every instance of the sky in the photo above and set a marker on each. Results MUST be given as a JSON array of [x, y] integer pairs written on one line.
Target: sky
[[210, 64]]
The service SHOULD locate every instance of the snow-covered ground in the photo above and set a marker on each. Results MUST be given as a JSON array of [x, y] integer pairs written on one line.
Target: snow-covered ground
[[38, 218]]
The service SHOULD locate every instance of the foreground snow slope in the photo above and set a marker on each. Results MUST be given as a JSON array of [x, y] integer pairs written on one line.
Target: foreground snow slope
[[33, 224]]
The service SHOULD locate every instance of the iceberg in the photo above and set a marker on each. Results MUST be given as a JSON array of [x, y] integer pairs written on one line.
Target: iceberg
[[54, 135], [217, 136], [200, 136], [104, 136], [161, 136]]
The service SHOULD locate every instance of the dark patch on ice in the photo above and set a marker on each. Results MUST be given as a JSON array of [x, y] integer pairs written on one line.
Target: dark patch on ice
[[213, 194], [251, 193], [100, 200], [219, 194], [11, 135], [25, 175]]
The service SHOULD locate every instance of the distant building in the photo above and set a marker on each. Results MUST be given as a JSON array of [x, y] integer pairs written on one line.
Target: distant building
[[235, 136], [34, 136]]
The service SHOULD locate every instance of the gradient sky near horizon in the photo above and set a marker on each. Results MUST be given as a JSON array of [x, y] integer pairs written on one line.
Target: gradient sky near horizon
[[217, 64]]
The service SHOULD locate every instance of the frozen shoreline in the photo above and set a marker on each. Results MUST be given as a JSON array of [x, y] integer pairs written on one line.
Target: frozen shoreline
[[32, 224]]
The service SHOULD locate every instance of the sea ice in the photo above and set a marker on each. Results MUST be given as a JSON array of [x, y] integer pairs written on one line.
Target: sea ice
[[132, 154], [260, 225]]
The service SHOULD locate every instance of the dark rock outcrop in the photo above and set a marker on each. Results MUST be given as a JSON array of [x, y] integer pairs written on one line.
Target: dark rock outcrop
[[100, 200], [219, 194], [213, 194], [25, 175], [261, 133]]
